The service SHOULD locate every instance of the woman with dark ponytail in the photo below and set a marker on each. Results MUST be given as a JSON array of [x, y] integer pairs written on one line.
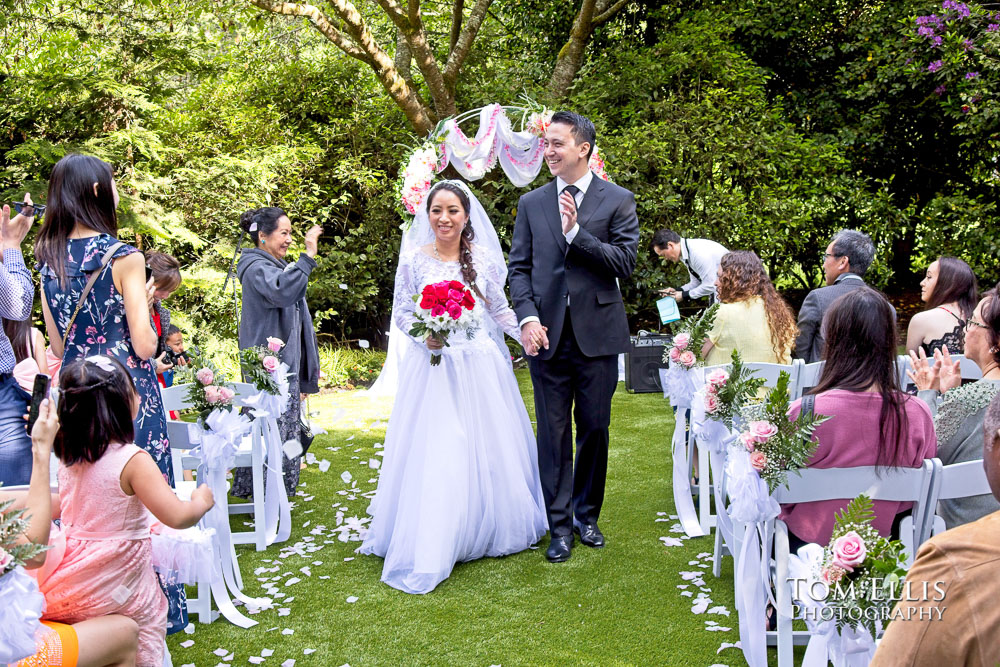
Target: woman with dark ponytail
[[274, 306], [460, 474]]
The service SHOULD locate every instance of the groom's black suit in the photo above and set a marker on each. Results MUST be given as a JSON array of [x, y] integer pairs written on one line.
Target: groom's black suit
[[586, 333]]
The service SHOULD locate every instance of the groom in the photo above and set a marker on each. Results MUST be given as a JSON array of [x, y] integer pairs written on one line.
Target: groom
[[574, 238]]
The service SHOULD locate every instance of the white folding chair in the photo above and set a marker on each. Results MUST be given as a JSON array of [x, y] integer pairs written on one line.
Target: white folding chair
[[249, 455], [809, 375], [958, 480], [770, 374], [916, 485]]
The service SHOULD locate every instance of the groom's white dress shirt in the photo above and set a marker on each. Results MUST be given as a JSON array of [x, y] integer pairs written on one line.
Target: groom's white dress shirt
[[701, 257], [583, 183]]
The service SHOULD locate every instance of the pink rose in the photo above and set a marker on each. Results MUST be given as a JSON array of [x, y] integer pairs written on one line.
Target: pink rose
[[747, 439], [205, 376], [5, 559], [762, 431], [717, 378], [275, 344], [688, 358], [212, 394], [438, 310], [226, 394], [269, 363], [711, 402], [758, 460], [455, 310], [681, 341], [832, 574], [849, 551], [675, 355]]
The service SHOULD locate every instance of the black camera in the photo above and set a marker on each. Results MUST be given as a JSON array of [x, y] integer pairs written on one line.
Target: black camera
[[173, 358]]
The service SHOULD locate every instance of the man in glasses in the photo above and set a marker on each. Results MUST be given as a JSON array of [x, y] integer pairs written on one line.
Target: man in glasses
[[845, 261]]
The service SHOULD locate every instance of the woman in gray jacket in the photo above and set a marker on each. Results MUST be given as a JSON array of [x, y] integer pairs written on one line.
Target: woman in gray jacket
[[274, 305]]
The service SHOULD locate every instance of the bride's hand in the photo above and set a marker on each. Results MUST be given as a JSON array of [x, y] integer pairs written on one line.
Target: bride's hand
[[433, 343]]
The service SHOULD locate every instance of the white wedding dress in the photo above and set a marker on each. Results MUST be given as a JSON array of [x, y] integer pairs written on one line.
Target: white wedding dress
[[459, 479]]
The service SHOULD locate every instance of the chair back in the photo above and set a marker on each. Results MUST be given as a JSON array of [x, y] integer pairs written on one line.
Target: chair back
[[962, 480], [809, 375], [175, 397], [970, 370], [916, 485], [770, 373]]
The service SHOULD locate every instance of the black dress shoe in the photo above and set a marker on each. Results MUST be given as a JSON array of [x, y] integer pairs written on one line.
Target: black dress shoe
[[590, 534], [559, 549]]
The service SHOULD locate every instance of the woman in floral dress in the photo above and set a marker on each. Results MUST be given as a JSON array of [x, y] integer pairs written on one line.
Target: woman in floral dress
[[80, 227]]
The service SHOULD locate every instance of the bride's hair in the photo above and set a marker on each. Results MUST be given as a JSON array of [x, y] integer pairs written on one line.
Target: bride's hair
[[468, 234]]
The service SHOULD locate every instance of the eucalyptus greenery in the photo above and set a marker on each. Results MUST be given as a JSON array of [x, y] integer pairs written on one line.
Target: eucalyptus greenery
[[12, 525]]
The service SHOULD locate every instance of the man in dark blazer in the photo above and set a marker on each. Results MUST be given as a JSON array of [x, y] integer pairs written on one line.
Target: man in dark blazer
[[845, 261], [574, 238]]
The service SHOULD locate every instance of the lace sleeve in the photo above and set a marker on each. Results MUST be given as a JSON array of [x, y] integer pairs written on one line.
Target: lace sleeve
[[491, 282], [403, 308]]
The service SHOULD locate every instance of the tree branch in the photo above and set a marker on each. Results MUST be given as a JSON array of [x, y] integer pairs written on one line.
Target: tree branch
[[460, 50], [404, 59], [363, 47], [319, 21], [457, 14], [571, 54], [606, 14]]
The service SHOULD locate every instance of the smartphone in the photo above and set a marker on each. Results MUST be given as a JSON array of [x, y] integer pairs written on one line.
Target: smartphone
[[39, 392], [38, 208], [149, 273]]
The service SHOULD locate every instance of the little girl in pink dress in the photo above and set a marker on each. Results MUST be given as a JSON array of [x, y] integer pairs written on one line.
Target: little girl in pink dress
[[107, 489]]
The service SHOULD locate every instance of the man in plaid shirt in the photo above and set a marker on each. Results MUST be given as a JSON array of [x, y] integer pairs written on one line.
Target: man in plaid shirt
[[16, 295]]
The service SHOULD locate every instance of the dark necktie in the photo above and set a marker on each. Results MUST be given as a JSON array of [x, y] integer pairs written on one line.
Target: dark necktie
[[572, 190]]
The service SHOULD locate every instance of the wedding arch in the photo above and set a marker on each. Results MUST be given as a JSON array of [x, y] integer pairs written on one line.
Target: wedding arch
[[519, 152]]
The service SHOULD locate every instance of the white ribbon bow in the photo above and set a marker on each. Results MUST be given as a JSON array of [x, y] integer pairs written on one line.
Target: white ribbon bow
[[681, 385], [21, 606], [849, 647]]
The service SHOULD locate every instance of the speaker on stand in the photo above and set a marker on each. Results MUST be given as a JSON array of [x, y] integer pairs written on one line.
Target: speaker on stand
[[643, 362]]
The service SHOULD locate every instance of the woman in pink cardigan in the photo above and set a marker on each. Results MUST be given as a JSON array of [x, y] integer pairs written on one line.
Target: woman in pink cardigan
[[873, 424]]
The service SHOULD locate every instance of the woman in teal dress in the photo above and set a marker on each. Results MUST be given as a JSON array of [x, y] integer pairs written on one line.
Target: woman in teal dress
[[80, 227]]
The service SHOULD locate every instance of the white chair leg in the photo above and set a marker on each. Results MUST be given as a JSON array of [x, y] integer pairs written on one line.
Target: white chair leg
[[259, 515], [783, 595], [705, 516], [717, 554]]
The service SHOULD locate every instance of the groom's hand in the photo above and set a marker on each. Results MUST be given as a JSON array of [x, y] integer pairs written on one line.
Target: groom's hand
[[534, 338], [567, 210]]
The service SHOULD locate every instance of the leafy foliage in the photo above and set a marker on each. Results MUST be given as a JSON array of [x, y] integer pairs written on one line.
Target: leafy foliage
[[868, 590], [740, 390], [792, 445], [12, 525], [689, 336]]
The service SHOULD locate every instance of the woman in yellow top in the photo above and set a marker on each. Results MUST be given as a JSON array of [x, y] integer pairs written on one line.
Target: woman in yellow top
[[752, 317]]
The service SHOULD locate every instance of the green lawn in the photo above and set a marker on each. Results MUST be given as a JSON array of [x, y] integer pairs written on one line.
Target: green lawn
[[620, 605]]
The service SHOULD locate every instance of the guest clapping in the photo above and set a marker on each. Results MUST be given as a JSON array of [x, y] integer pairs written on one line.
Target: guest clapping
[[752, 318], [874, 423], [845, 262], [952, 619], [16, 294], [699, 256], [958, 419], [274, 305], [949, 289]]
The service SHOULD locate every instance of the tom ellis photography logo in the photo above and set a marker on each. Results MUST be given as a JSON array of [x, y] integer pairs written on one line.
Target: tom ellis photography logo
[[881, 599]]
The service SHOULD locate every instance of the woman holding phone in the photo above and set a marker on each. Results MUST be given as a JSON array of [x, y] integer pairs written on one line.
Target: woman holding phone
[[96, 300]]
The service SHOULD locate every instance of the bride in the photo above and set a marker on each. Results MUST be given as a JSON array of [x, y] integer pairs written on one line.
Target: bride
[[460, 476]]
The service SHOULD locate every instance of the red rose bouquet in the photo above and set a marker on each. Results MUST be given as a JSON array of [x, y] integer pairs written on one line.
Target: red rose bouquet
[[442, 309]]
